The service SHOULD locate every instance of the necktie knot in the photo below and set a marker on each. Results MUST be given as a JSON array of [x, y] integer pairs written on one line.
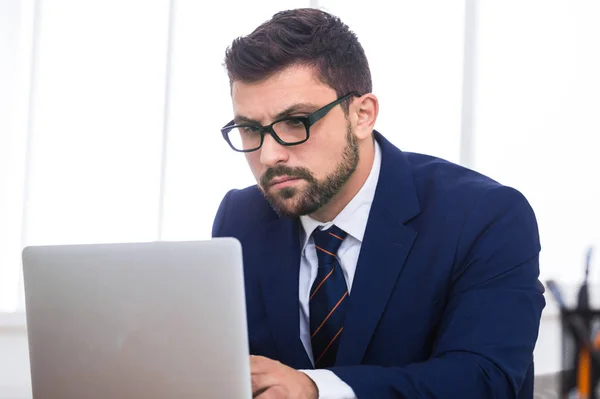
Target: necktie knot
[[328, 242]]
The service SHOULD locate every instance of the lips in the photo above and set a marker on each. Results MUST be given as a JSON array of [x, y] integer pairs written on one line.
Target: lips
[[281, 179]]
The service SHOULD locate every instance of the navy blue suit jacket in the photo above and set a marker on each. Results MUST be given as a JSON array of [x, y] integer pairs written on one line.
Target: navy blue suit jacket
[[445, 303]]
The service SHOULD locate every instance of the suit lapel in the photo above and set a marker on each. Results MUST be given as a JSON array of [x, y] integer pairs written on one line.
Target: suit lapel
[[386, 244], [279, 287]]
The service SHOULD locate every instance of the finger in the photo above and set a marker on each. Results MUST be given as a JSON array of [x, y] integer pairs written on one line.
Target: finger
[[275, 392], [262, 382], [261, 364], [256, 364], [256, 394]]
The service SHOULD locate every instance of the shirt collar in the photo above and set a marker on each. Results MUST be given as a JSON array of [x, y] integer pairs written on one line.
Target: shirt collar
[[353, 218]]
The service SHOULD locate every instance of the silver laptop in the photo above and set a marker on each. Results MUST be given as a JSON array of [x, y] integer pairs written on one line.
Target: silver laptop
[[141, 320]]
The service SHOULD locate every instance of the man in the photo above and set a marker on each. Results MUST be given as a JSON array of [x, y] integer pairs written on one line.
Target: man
[[370, 272]]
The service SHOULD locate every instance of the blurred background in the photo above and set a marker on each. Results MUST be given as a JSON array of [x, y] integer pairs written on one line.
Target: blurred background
[[110, 113]]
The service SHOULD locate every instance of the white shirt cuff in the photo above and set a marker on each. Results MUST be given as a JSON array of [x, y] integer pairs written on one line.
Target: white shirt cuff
[[330, 386]]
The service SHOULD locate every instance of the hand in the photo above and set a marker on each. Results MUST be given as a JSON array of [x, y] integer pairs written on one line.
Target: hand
[[274, 380]]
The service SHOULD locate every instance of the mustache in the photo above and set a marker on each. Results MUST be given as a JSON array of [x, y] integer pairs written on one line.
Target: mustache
[[282, 170]]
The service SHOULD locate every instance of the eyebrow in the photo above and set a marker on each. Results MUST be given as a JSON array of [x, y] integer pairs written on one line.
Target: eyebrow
[[307, 108]]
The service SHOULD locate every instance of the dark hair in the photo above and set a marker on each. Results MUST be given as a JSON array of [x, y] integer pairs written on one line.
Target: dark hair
[[304, 36]]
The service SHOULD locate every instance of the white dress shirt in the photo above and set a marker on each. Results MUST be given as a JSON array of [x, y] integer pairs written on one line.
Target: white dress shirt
[[353, 220]]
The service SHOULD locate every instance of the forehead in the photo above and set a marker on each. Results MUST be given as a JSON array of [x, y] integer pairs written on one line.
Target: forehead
[[293, 85]]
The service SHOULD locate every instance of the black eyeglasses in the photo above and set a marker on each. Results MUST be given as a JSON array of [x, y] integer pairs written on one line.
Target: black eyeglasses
[[287, 131]]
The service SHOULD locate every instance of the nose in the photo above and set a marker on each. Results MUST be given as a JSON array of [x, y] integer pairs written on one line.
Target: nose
[[271, 152]]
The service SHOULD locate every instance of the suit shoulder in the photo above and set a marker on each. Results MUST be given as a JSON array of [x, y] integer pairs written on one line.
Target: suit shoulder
[[443, 183], [430, 172], [240, 211], [469, 207]]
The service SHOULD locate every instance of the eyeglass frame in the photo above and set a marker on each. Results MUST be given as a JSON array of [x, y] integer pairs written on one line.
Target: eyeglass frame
[[307, 121]]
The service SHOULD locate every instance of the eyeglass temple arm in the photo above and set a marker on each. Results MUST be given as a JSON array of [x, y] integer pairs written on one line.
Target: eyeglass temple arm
[[318, 114]]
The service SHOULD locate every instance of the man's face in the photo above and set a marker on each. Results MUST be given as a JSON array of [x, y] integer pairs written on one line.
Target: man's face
[[298, 180]]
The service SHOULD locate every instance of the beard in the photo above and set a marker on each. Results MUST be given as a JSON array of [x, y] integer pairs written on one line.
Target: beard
[[294, 202]]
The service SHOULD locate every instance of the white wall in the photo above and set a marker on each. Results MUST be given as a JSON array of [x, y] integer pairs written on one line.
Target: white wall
[[15, 382]]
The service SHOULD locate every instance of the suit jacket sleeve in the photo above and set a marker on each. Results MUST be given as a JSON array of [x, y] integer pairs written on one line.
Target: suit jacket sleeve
[[485, 339]]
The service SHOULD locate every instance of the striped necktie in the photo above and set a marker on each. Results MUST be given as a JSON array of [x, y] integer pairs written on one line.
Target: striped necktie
[[328, 296]]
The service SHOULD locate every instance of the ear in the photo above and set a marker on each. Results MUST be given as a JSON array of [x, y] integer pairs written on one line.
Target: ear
[[365, 110]]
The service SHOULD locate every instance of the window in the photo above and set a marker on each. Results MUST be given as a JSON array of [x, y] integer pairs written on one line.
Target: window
[[15, 51], [537, 123], [415, 51], [114, 108]]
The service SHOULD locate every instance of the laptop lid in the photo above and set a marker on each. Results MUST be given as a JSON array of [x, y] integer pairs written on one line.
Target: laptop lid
[[137, 320]]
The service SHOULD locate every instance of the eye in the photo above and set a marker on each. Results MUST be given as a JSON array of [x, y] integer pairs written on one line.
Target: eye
[[295, 123], [250, 129]]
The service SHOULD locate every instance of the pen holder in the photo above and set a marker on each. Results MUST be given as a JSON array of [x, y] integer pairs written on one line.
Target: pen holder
[[580, 353]]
